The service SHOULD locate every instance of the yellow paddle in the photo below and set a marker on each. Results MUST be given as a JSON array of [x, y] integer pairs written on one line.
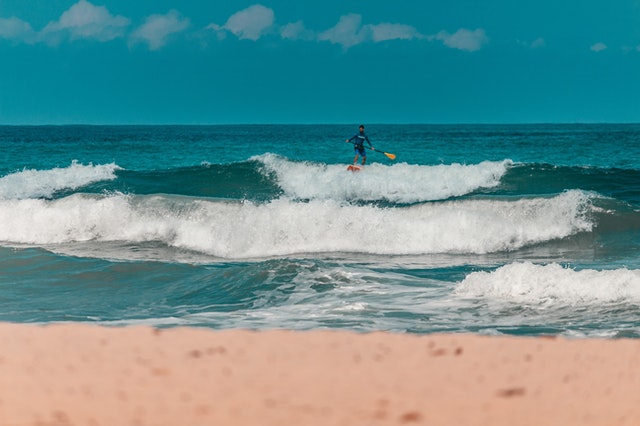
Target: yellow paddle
[[389, 155]]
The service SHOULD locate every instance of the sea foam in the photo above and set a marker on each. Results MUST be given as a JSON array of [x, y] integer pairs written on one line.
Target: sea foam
[[30, 183], [532, 284], [283, 227], [398, 183]]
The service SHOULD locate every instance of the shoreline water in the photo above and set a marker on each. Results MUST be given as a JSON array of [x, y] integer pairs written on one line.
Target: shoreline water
[[71, 374]]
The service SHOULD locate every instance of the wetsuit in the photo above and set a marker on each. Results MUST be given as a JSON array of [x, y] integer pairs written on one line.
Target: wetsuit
[[358, 145]]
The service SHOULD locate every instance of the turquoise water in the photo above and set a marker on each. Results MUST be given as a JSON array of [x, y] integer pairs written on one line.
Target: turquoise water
[[514, 229]]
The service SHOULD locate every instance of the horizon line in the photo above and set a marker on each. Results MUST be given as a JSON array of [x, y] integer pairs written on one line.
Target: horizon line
[[520, 123]]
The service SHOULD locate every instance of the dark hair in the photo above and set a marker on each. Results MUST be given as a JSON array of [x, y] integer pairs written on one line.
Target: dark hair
[[361, 126]]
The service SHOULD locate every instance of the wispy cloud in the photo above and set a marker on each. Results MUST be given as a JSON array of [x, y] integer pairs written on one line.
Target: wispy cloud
[[538, 43], [349, 31], [463, 39], [157, 28], [386, 31], [250, 23], [296, 31], [17, 30], [85, 20], [598, 47]]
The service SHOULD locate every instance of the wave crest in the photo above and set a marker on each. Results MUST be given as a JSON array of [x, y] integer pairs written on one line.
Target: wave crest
[[398, 183], [284, 227], [44, 183], [528, 283]]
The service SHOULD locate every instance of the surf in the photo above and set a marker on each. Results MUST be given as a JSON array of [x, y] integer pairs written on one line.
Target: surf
[[398, 183], [263, 178], [32, 183], [244, 229], [526, 283]]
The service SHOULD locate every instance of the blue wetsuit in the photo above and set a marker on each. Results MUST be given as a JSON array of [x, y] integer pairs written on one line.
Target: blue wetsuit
[[358, 145]]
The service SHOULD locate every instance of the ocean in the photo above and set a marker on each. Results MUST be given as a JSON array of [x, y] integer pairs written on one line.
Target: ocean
[[488, 229]]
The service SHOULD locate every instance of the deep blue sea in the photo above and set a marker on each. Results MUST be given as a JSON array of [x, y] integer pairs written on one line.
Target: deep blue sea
[[489, 229]]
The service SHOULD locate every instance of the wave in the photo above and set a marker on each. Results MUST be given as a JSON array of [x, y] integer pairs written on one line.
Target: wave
[[45, 183], [552, 284], [398, 183], [243, 180], [622, 184], [268, 176], [281, 227]]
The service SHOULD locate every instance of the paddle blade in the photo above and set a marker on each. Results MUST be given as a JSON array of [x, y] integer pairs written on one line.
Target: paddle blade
[[390, 156]]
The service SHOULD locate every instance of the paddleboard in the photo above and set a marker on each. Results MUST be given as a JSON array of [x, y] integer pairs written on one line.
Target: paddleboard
[[353, 168]]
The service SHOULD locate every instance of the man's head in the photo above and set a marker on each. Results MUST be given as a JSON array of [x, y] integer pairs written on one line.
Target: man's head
[[361, 128]]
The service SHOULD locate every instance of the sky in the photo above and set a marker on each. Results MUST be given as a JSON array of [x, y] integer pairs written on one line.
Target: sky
[[315, 62]]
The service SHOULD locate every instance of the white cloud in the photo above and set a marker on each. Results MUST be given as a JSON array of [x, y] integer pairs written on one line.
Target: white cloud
[[257, 20], [386, 31], [296, 31], [218, 30], [157, 28], [348, 32], [250, 23], [598, 47], [16, 29], [463, 39], [85, 20]]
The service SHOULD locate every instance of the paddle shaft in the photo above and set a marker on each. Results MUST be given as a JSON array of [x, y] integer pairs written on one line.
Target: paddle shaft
[[388, 154]]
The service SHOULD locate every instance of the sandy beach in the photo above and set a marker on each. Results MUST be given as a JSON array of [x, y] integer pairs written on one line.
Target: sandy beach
[[89, 375]]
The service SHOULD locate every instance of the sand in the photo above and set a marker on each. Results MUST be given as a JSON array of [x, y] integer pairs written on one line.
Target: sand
[[89, 375]]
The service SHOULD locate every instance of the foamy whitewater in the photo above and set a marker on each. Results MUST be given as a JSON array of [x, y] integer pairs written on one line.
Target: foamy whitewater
[[524, 230]]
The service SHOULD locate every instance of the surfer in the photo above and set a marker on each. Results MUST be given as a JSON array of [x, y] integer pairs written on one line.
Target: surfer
[[358, 145]]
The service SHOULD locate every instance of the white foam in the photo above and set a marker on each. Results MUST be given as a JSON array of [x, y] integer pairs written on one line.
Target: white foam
[[352, 307], [284, 227], [528, 283], [401, 182], [44, 183]]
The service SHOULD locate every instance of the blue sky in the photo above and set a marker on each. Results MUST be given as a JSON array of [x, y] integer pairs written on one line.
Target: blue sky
[[348, 61]]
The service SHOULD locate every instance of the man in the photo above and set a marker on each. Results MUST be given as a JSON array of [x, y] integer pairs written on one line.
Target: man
[[358, 145]]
